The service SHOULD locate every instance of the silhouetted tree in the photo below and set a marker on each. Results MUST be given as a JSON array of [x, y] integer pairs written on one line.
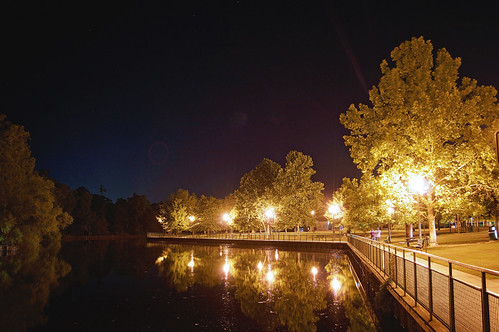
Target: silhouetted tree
[[28, 209]]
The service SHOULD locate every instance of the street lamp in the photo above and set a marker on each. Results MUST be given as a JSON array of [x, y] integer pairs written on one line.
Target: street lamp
[[191, 218], [335, 212], [270, 214], [228, 219], [419, 185]]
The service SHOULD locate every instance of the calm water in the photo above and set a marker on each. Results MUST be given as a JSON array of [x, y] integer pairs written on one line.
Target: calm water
[[133, 286]]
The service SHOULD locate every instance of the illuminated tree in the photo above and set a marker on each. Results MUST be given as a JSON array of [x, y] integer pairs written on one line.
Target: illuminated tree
[[365, 202], [298, 194], [175, 213], [424, 120], [208, 214], [255, 194], [28, 209]]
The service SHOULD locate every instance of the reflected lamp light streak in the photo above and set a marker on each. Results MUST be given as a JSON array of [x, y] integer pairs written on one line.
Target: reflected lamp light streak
[[260, 266], [335, 285]]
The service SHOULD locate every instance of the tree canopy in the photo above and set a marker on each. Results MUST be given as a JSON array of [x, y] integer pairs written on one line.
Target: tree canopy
[[256, 193], [28, 209], [425, 121], [298, 194]]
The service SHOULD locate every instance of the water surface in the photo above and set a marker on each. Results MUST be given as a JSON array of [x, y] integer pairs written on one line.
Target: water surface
[[174, 287]]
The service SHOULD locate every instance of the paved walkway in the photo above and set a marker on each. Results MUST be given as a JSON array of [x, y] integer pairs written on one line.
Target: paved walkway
[[441, 265]]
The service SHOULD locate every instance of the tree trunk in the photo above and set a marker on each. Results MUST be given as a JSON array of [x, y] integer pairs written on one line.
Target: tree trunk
[[431, 226], [495, 211]]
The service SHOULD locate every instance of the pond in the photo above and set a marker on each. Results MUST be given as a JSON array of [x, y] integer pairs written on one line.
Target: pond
[[130, 285]]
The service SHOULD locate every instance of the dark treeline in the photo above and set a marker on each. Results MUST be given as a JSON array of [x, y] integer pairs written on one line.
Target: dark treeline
[[95, 214]]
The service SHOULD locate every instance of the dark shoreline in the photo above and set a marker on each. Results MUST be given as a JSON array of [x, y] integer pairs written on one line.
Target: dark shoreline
[[68, 238]]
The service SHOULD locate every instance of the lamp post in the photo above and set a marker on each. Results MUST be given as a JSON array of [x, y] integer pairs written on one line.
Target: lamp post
[[391, 211], [270, 214], [419, 186], [228, 219], [334, 211], [192, 219]]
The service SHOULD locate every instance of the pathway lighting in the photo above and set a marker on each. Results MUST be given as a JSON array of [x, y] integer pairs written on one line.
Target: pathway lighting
[[420, 186], [334, 211], [270, 214], [391, 211], [227, 218]]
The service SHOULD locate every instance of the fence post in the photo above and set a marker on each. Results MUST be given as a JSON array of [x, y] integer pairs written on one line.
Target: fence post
[[430, 288], [485, 305], [405, 277], [396, 268], [384, 261], [452, 318], [415, 278]]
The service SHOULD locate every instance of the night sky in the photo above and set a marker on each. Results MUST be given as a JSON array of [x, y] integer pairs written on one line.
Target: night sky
[[151, 96]]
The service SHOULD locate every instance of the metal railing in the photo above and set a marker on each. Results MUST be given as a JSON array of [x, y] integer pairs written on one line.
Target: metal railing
[[457, 294], [274, 236]]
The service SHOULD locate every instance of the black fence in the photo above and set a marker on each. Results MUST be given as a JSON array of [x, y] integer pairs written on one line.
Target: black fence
[[460, 296], [274, 236]]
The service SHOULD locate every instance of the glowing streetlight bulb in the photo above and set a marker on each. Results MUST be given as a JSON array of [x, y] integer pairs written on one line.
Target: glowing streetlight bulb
[[226, 217], [269, 213], [334, 209], [312, 213], [192, 218], [418, 184]]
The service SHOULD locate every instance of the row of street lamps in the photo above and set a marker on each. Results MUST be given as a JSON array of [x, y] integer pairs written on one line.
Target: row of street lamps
[[418, 185]]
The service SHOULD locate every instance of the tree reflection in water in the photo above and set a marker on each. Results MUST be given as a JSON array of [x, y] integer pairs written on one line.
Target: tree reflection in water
[[25, 284], [274, 288]]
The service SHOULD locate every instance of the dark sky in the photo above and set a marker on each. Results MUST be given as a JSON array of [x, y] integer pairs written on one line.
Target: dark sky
[[151, 96]]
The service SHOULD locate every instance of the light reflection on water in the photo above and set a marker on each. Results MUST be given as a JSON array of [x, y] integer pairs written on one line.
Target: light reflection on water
[[298, 291], [131, 286]]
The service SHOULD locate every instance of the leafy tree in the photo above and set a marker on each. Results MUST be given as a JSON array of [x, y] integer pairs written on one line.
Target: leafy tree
[[119, 223], [423, 121], [298, 194], [175, 212], [86, 220], [208, 214], [256, 193], [228, 206], [28, 209], [141, 215]]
